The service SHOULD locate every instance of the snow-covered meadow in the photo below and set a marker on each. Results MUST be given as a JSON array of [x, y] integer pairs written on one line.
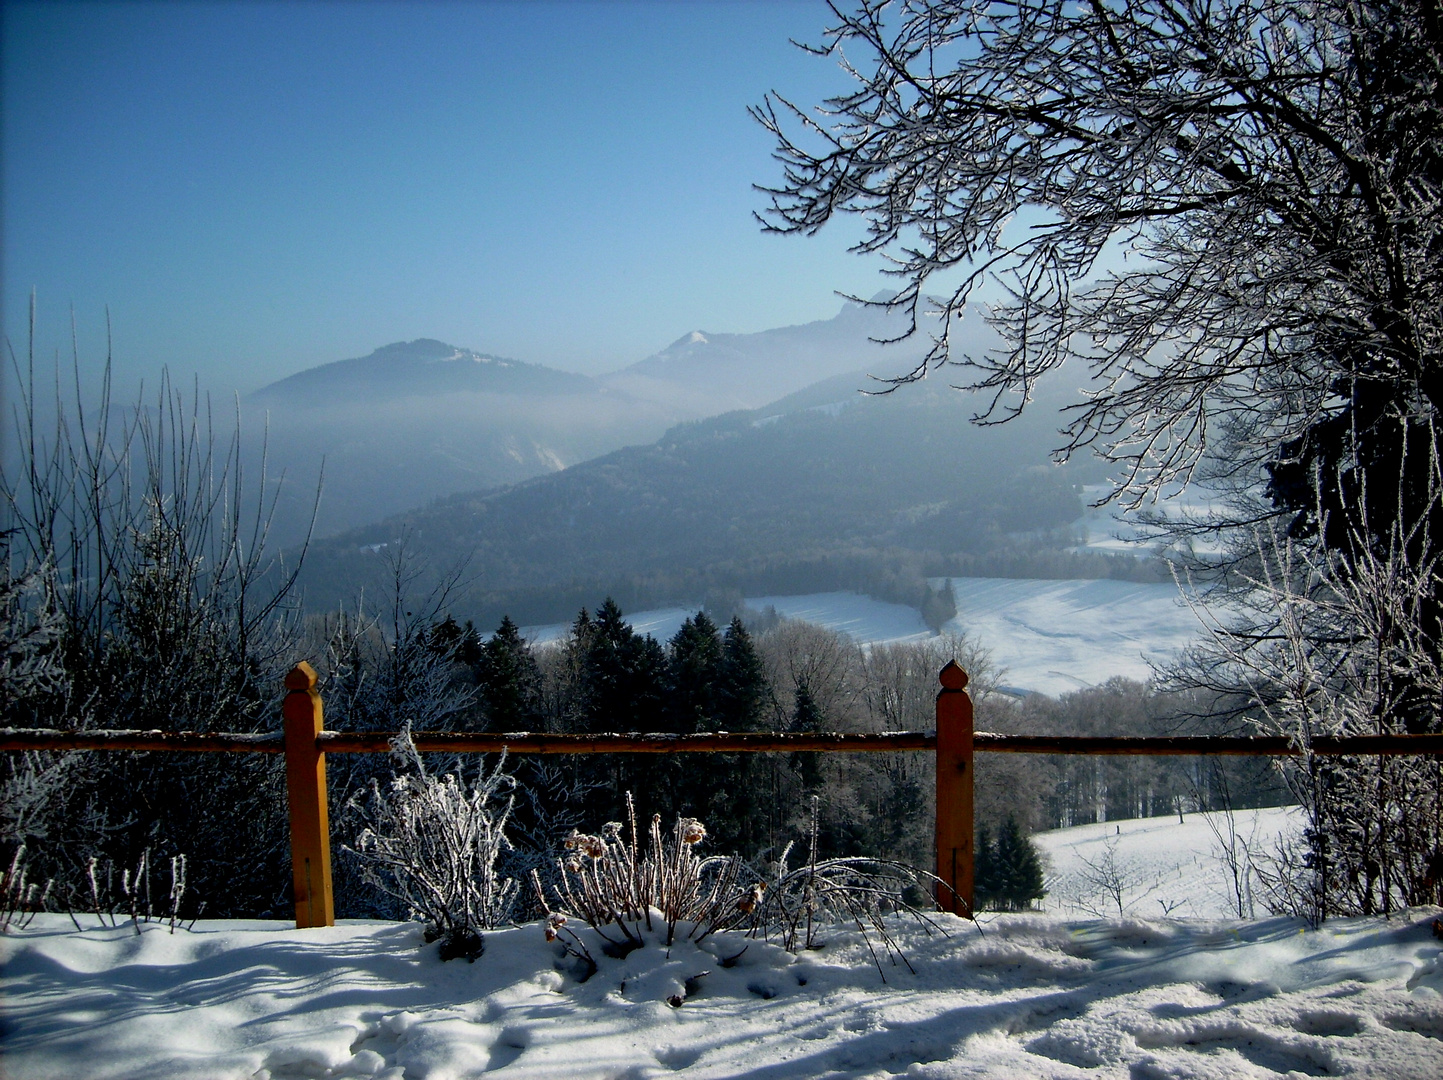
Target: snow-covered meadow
[[1029, 995], [1162, 866]]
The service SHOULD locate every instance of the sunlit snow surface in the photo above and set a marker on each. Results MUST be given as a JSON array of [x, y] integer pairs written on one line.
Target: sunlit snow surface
[[1049, 636], [1162, 865], [1054, 636], [1030, 996]]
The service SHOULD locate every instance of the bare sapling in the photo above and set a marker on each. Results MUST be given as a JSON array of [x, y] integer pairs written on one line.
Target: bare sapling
[[1111, 884]]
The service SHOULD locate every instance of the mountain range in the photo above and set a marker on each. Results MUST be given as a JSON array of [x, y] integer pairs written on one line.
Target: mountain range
[[824, 489], [414, 421]]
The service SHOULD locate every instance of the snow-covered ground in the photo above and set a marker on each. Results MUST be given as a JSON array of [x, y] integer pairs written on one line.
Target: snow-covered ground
[[864, 620], [1050, 636], [1115, 531], [1157, 866], [1028, 996]]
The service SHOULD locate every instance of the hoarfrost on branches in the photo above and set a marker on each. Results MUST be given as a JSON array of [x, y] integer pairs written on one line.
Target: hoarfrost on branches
[[432, 843]]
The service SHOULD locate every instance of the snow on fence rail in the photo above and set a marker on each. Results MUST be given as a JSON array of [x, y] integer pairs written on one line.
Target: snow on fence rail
[[305, 743]]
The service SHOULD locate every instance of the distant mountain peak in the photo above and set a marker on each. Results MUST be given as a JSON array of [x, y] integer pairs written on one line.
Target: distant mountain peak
[[430, 351], [421, 368]]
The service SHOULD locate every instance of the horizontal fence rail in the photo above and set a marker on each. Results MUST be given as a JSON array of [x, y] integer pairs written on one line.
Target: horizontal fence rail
[[532, 742], [305, 743], [215, 742]]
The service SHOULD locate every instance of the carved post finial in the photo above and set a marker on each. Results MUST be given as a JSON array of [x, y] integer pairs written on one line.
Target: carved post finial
[[303, 715], [301, 677], [952, 677], [955, 865]]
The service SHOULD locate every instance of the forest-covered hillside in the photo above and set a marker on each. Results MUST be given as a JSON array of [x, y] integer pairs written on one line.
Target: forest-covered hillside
[[828, 488]]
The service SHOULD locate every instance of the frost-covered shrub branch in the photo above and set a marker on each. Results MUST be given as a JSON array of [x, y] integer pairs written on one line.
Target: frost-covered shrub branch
[[432, 843], [608, 881]]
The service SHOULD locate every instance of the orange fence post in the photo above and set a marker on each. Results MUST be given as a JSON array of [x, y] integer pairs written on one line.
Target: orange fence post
[[306, 798], [954, 791]]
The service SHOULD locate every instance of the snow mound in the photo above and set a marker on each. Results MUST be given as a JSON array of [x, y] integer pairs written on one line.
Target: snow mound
[[1025, 996]]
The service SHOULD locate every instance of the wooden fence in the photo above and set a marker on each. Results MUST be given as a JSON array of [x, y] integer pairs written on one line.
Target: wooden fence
[[305, 743]]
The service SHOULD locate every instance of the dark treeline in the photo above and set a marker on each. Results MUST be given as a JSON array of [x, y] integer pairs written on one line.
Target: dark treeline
[[416, 666], [895, 575]]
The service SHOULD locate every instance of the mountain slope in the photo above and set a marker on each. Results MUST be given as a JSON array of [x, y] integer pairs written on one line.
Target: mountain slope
[[745, 371], [418, 420], [764, 500]]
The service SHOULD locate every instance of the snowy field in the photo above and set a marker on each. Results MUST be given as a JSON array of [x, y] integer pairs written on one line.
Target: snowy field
[[864, 620], [1049, 636], [1026, 996], [1113, 531], [1158, 866]]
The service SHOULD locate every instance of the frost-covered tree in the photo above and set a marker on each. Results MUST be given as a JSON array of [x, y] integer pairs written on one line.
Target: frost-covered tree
[[1270, 168], [508, 681], [1227, 213], [160, 607]]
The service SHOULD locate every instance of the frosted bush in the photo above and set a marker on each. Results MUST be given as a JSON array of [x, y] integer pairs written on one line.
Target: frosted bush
[[858, 891], [609, 882], [432, 843]]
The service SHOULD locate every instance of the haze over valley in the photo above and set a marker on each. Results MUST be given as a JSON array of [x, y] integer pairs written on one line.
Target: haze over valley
[[821, 487], [417, 420]]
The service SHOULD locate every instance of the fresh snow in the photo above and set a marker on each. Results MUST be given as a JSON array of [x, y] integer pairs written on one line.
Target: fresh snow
[[1028, 996], [1161, 865], [1051, 637]]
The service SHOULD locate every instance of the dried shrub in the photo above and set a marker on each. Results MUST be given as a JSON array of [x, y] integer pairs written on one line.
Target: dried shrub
[[611, 884], [621, 892]]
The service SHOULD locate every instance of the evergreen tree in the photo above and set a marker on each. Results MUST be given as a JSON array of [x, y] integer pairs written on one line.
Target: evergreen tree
[[807, 716], [694, 668], [939, 605], [741, 685], [508, 681], [462, 644], [1018, 867], [733, 789], [624, 677]]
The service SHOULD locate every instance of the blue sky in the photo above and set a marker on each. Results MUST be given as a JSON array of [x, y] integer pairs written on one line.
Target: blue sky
[[256, 188]]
